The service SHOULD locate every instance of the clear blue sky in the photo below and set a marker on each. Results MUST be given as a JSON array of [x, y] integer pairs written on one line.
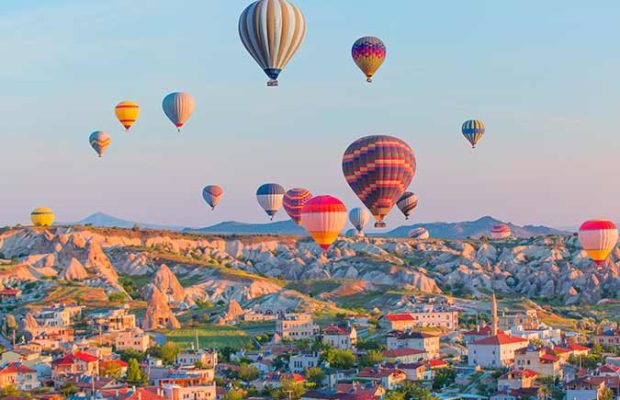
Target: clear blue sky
[[543, 75]]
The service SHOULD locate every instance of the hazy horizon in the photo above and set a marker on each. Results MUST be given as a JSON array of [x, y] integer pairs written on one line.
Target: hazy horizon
[[542, 76]]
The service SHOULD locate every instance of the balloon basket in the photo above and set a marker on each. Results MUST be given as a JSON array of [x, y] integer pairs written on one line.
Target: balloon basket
[[369, 80], [380, 224], [272, 82]]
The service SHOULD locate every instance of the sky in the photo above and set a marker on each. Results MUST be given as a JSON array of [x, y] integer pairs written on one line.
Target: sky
[[543, 76]]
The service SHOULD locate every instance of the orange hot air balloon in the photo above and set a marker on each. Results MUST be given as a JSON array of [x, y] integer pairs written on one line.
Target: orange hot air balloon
[[598, 238], [127, 113], [324, 217]]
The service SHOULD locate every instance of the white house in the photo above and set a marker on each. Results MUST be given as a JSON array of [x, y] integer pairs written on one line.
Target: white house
[[495, 351]]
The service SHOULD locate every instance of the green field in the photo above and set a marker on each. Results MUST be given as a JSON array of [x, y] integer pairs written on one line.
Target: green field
[[210, 336]]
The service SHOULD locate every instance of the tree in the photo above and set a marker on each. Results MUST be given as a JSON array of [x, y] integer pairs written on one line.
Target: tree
[[369, 345], [68, 389], [9, 391], [128, 354], [167, 353], [371, 358], [394, 395], [412, 390], [135, 375], [444, 377], [234, 394], [606, 394], [315, 375], [247, 373], [341, 359], [112, 370], [289, 389]]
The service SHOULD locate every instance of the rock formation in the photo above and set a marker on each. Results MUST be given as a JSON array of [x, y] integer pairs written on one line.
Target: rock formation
[[74, 271], [158, 313], [167, 283]]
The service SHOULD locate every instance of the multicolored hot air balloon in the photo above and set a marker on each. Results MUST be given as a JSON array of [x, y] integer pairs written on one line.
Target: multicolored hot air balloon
[[272, 31], [178, 107], [379, 169], [270, 196], [99, 140], [419, 234], [500, 231], [294, 201], [212, 195], [407, 202], [359, 217], [473, 130], [598, 238], [324, 217], [127, 113], [42, 217], [368, 53]]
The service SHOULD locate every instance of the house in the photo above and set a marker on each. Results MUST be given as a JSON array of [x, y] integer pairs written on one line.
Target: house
[[405, 356], [20, 376], [206, 358], [425, 316], [10, 295], [527, 319], [480, 332], [58, 315], [389, 378], [274, 380], [198, 392], [587, 388], [397, 322], [607, 338], [295, 326], [531, 393], [126, 393], [539, 360], [254, 316], [495, 351], [414, 371], [76, 363], [182, 377], [114, 363], [347, 391], [340, 337], [301, 362], [517, 379], [414, 340], [114, 320], [608, 370], [134, 339]]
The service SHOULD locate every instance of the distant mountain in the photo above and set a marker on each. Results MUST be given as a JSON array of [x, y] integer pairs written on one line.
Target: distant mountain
[[240, 228], [107, 221], [474, 229]]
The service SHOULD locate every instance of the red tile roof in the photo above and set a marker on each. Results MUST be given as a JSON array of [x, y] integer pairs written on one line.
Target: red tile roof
[[72, 358], [336, 330], [120, 363], [10, 292], [500, 339], [14, 368], [402, 352], [437, 363], [399, 317], [484, 331], [577, 347], [549, 358], [377, 372]]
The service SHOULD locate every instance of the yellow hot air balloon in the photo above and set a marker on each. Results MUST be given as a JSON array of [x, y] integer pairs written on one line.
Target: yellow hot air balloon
[[127, 113], [42, 217]]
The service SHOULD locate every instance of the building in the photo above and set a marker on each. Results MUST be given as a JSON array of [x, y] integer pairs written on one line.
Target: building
[[58, 315], [20, 376], [480, 332], [115, 320], [295, 326], [414, 340], [517, 379], [587, 388], [10, 295], [527, 319], [340, 337], [205, 358], [389, 378], [539, 360], [301, 362], [199, 392], [135, 339], [405, 356], [76, 363], [424, 316], [607, 338]]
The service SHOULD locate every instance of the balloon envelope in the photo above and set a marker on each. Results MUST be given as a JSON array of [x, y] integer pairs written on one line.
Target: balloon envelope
[[127, 113], [419, 234], [501, 231], [99, 141], [212, 195], [473, 130], [406, 203], [359, 217], [598, 238], [324, 217], [368, 53], [379, 169], [178, 107], [42, 217], [270, 196], [294, 201], [272, 31]]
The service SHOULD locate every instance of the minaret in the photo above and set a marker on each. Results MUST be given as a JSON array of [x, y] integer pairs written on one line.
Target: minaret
[[493, 315]]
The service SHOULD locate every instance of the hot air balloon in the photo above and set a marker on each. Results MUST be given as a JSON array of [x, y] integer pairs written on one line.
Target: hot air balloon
[[407, 202], [99, 140], [598, 238], [419, 234], [127, 113], [294, 201], [212, 195], [473, 130], [368, 53], [272, 31], [270, 196], [324, 217], [379, 169], [500, 231], [42, 217], [359, 217], [352, 233], [178, 107]]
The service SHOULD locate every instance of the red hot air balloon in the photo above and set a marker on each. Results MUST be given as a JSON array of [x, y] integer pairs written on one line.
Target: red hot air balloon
[[294, 201], [598, 238], [324, 217], [379, 169]]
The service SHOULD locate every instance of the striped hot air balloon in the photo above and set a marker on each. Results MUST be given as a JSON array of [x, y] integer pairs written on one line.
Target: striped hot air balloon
[[500, 231], [212, 195], [473, 130], [324, 217], [127, 113], [368, 53], [270, 196], [407, 202], [598, 238], [272, 31], [294, 201], [42, 217], [178, 107], [379, 169], [359, 217], [99, 141], [419, 234]]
